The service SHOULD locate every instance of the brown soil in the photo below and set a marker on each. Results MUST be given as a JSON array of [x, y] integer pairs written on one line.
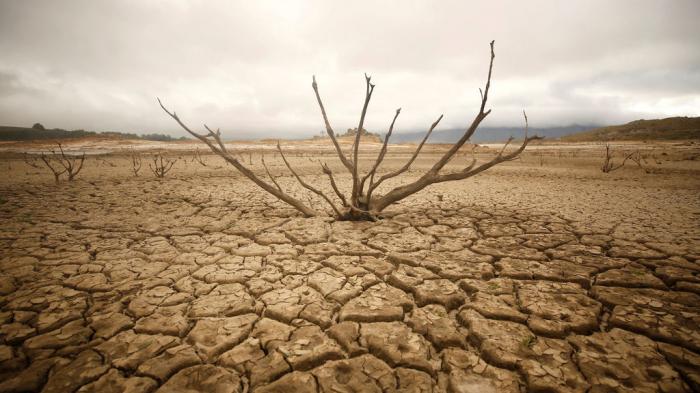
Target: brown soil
[[543, 274]]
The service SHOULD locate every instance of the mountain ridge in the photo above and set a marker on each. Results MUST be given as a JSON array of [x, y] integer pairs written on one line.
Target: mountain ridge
[[489, 134], [670, 128]]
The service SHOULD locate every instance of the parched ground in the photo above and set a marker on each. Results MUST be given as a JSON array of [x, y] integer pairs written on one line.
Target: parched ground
[[542, 275]]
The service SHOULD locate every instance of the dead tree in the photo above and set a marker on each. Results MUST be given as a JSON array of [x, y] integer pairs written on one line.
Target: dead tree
[[135, 163], [161, 166], [71, 164], [608, 164], [364, 201], [54, 168]]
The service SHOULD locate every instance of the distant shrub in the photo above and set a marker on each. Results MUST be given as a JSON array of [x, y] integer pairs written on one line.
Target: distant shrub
[[160, 137]]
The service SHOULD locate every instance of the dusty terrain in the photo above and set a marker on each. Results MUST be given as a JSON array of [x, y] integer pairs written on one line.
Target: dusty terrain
[[541, 275]]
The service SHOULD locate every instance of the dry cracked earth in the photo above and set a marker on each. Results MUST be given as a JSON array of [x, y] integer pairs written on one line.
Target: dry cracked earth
[[195, 284]]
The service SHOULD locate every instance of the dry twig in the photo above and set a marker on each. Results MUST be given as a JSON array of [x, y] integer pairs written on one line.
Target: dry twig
[[135, 163], [161, 166], [72, 165]]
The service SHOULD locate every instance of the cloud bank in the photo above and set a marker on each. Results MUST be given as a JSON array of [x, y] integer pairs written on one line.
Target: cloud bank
[[246, 67]]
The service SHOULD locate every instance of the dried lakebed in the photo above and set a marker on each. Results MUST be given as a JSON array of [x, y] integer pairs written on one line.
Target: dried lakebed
[[176, 286]]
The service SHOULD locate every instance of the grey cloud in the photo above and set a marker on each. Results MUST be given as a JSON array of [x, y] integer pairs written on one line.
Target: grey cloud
[[10, 84], [246, 66]]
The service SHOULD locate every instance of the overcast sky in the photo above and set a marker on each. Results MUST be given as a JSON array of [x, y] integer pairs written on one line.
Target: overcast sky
[[246, 67]]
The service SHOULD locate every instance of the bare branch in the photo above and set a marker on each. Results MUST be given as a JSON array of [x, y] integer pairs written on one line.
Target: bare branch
[[463, 174], [63, 161], [217, 137], [201, 137], [306, 185], [485, 96], [510, 139], [469, 172], [381, 155], [75, 172], [56, 171], [135, 163], [71, 164], [329, 173], [429, 178], [608, 165], [262, 159], [221, 151], [410, 161], [161, 166], [329, 129], [474, 125], [508, 157], [356, 190]]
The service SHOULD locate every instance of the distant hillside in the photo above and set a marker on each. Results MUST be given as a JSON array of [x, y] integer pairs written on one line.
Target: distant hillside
[[39, 133], [672, 128], [25, 134], [489, 134]]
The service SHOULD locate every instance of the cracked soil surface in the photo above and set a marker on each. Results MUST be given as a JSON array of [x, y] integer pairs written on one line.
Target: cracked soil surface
[[524, 279]]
